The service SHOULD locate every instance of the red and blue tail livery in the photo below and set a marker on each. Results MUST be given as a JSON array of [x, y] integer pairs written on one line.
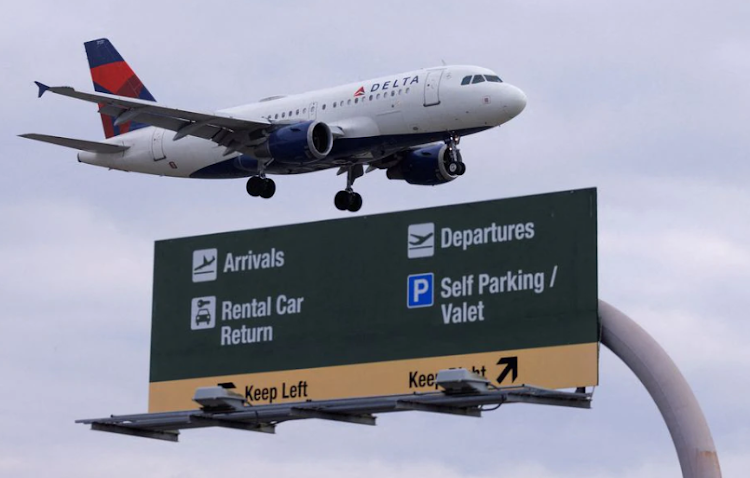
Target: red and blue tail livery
[[112, 75]]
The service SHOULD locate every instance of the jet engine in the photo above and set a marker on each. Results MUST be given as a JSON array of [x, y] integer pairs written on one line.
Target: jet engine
[[426, 166], [298, 143]]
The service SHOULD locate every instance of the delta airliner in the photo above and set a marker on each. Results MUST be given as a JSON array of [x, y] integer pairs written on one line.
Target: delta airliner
[[408, 124]]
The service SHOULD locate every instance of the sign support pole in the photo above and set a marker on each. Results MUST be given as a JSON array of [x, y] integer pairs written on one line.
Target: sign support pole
[[668, 388]]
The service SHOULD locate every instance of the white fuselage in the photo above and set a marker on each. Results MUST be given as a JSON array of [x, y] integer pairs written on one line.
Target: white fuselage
[[370, 119]]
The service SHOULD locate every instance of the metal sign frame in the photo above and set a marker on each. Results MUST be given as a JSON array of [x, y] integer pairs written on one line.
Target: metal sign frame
[[265, 418]]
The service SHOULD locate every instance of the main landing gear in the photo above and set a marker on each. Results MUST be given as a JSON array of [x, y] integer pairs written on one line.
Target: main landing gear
[[348, 200], [260, 185], [455, 166]]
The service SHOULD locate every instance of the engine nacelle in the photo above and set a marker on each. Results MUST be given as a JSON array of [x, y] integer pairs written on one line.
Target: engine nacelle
[[298, 143], [425, 166]]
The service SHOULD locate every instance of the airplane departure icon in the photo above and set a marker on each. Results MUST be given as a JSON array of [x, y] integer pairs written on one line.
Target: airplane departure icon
[[418, 240], [206, 262], [421, 240]]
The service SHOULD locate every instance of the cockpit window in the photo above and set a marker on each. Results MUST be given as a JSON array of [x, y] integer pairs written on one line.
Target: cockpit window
[[480, 78]]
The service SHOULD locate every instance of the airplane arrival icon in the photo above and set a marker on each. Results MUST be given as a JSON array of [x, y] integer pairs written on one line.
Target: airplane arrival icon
[[204, 265], [206, 262]]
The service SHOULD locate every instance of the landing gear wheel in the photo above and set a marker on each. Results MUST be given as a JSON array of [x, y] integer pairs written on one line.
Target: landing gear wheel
[[341, 200], [263, 187], [355, 203], [453, 165], [254, 186], [269, 188], [348, 201]]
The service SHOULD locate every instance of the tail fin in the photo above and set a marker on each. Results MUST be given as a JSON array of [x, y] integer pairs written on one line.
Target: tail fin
[[112, 75]]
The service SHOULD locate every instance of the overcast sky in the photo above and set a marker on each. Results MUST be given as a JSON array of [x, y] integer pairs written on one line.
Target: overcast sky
[[647, 101]]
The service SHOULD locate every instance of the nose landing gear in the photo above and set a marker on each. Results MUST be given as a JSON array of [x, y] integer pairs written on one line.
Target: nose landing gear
[[455, 165], [456, 168], [348, 200]]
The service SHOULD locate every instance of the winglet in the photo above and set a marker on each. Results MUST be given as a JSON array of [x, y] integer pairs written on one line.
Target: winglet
[[42, 88]]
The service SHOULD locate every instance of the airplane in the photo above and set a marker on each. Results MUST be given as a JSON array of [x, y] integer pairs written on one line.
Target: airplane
[[407, 124], [206, 262], [419, 240]]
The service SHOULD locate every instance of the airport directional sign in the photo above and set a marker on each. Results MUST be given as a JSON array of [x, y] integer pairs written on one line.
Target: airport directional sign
[[377, 305]]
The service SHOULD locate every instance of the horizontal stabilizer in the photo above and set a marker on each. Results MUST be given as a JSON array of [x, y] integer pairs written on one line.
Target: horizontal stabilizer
[[42, 88], [90, 146], [222, 128]]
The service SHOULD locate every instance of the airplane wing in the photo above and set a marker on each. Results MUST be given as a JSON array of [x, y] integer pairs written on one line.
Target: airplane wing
[[222, 129]]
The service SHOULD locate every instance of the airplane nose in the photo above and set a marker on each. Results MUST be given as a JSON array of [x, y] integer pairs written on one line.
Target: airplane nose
[[514, 101]]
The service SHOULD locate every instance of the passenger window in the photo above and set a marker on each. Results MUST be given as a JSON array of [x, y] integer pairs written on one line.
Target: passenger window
[[466, 80], [370, 97], [349, 101], [297, 113], [334, 104], [342, 103], [393, 93], [277, 116], [324, 106], [290, 114], [378, 96], [477, 79], [304, 110], [407, 90], [356, 100], [283, 115]]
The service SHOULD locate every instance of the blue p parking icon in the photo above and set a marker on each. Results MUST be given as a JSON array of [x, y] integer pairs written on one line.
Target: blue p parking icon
[[420, 290]]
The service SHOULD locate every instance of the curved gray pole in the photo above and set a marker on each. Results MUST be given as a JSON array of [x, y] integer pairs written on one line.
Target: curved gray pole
[[666, 385]]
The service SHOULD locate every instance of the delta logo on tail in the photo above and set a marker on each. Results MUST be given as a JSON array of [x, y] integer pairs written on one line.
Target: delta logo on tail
[[360, 91], [113, 76]]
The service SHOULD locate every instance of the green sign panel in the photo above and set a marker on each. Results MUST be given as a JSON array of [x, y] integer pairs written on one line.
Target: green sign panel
[[378, 304]]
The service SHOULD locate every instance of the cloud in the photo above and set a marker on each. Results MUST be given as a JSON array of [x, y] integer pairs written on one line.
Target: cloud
[[64, 250], [632, 98]]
